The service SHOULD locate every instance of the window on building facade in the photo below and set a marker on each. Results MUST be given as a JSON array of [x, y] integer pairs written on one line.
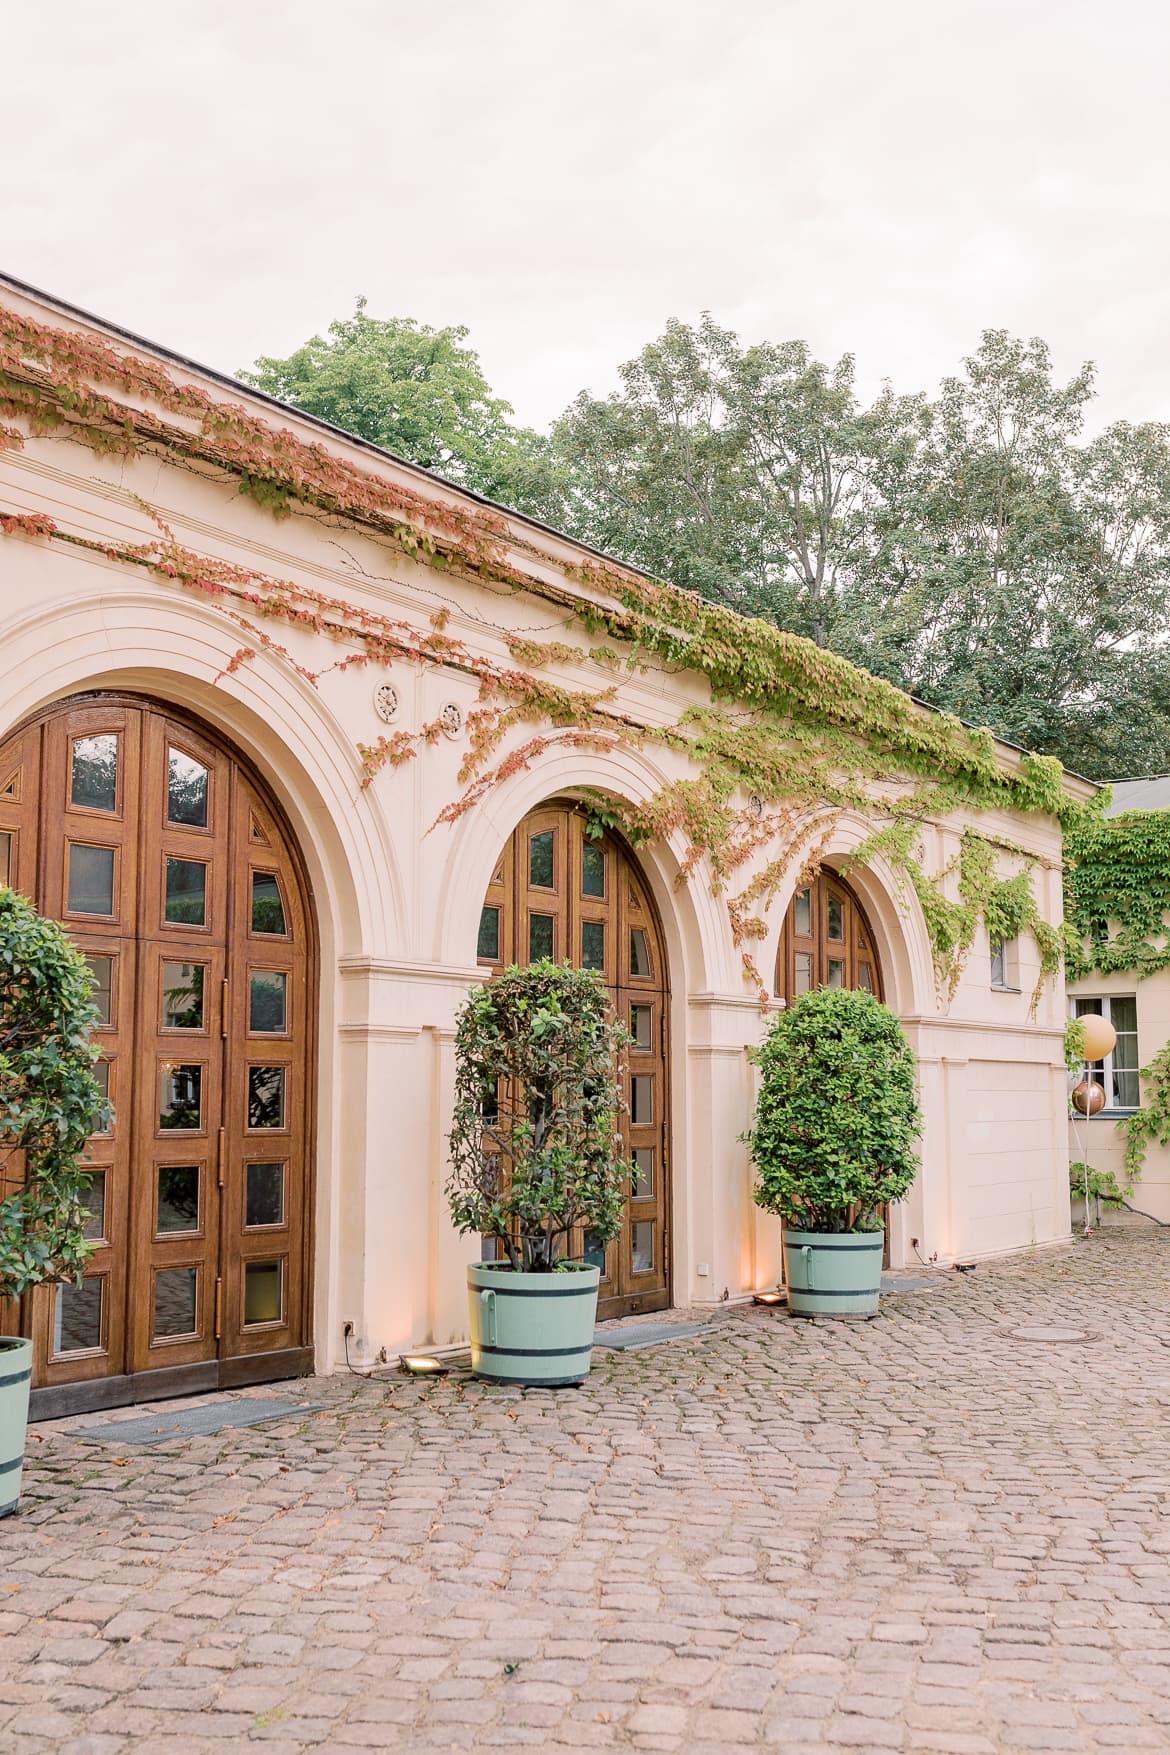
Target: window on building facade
[[1004, 966], [1118, 1072]]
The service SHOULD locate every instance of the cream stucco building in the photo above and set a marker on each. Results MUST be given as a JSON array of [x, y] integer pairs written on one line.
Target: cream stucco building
[[283, 949], [1138, 1006]]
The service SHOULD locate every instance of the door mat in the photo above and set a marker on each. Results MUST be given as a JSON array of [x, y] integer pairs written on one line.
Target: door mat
[[649, 1334], [902, 1283], [198, 1422]]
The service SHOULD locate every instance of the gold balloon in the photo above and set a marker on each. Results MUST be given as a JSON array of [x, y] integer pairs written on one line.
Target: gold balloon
[[1100, 1036], [1088, 1097]]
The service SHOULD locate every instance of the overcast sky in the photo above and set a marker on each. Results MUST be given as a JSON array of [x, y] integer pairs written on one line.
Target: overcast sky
[[882, 176]]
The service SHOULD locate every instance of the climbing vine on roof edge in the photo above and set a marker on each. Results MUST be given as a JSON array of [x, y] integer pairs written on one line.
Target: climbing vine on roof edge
[[801, 732]]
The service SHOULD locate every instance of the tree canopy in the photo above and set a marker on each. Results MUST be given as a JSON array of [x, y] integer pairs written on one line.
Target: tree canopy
[[421, 393], [983, 548]]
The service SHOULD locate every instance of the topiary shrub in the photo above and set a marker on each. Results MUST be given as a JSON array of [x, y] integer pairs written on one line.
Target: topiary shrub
[[50, 1102], [837, 1114], [535, 1146]]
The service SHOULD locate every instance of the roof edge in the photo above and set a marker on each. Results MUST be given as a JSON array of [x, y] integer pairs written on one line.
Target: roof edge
[[1081, 784]]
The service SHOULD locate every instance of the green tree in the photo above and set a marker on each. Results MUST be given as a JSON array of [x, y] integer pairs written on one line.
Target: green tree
[[1015, 573], [975, 549], [50, 1101], [737, 472], [837, 1115], [421, 393], [536, 1151]]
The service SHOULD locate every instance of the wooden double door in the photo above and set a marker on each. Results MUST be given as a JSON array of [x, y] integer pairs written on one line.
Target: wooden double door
[[559, 893], [172, 872]]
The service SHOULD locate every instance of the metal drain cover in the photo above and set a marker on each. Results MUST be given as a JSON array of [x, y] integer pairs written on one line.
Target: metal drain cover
[[1052, 1335], [648, 1334], [200, 1420]]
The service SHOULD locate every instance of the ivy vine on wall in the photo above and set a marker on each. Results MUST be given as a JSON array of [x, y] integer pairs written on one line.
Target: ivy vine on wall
[[800, 729], [1117, 892]]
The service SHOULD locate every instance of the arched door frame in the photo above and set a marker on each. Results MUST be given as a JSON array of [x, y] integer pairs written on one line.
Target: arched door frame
[[47, 1402], [805, 953]]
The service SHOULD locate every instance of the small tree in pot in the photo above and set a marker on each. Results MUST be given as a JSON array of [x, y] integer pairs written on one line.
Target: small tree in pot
[[833, 1141], [50, 1103], [536, 1160]]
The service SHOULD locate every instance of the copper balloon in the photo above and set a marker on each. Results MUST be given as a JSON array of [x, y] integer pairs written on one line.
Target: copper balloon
[[1088, 1097], [1100, 1036]]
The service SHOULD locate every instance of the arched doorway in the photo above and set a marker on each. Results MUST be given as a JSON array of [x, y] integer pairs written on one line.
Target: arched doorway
[[558, 893], [171, 866], [826, 941]]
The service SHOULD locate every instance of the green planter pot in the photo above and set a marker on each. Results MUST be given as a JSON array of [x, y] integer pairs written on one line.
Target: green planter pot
[[15, 1376], [532, 1328], [833, 1273]]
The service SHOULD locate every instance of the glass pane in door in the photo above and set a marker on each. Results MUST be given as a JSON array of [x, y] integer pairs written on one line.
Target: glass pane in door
[[183, 996], [592, 870], [93, 1202], [94, 773], [77, 1316], [641, 1100], [176, 1293], [91, 880], [265, 1197], [595, 1251], [180, 1097], [540, 937], [593, 944], [643, 1188], [186, 903], [267, 906], [178, 1198], [268, 1002], [540, 860], [266, 1097], [263, 1288], [102, 969], [187, 785], [488, 946]]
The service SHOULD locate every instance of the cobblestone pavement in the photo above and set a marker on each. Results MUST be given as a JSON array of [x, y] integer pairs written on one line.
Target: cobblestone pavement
[[914, 1534]]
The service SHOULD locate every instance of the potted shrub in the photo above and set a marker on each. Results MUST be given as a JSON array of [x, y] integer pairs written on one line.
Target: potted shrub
[[536, 1162], [833, 1141], [50, 1103]]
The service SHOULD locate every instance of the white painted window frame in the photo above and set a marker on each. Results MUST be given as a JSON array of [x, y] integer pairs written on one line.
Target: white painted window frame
[[1088, 1068]]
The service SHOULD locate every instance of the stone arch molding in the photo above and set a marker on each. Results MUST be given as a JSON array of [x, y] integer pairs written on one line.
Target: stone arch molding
[[276, 718], [894, 913], [694, 922]]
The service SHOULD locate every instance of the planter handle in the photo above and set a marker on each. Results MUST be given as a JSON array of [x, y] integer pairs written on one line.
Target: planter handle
[[806, 1251], [487, 1301]]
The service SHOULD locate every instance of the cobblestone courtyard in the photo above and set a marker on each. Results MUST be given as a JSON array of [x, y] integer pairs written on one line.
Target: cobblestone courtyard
[[917, 1534]]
